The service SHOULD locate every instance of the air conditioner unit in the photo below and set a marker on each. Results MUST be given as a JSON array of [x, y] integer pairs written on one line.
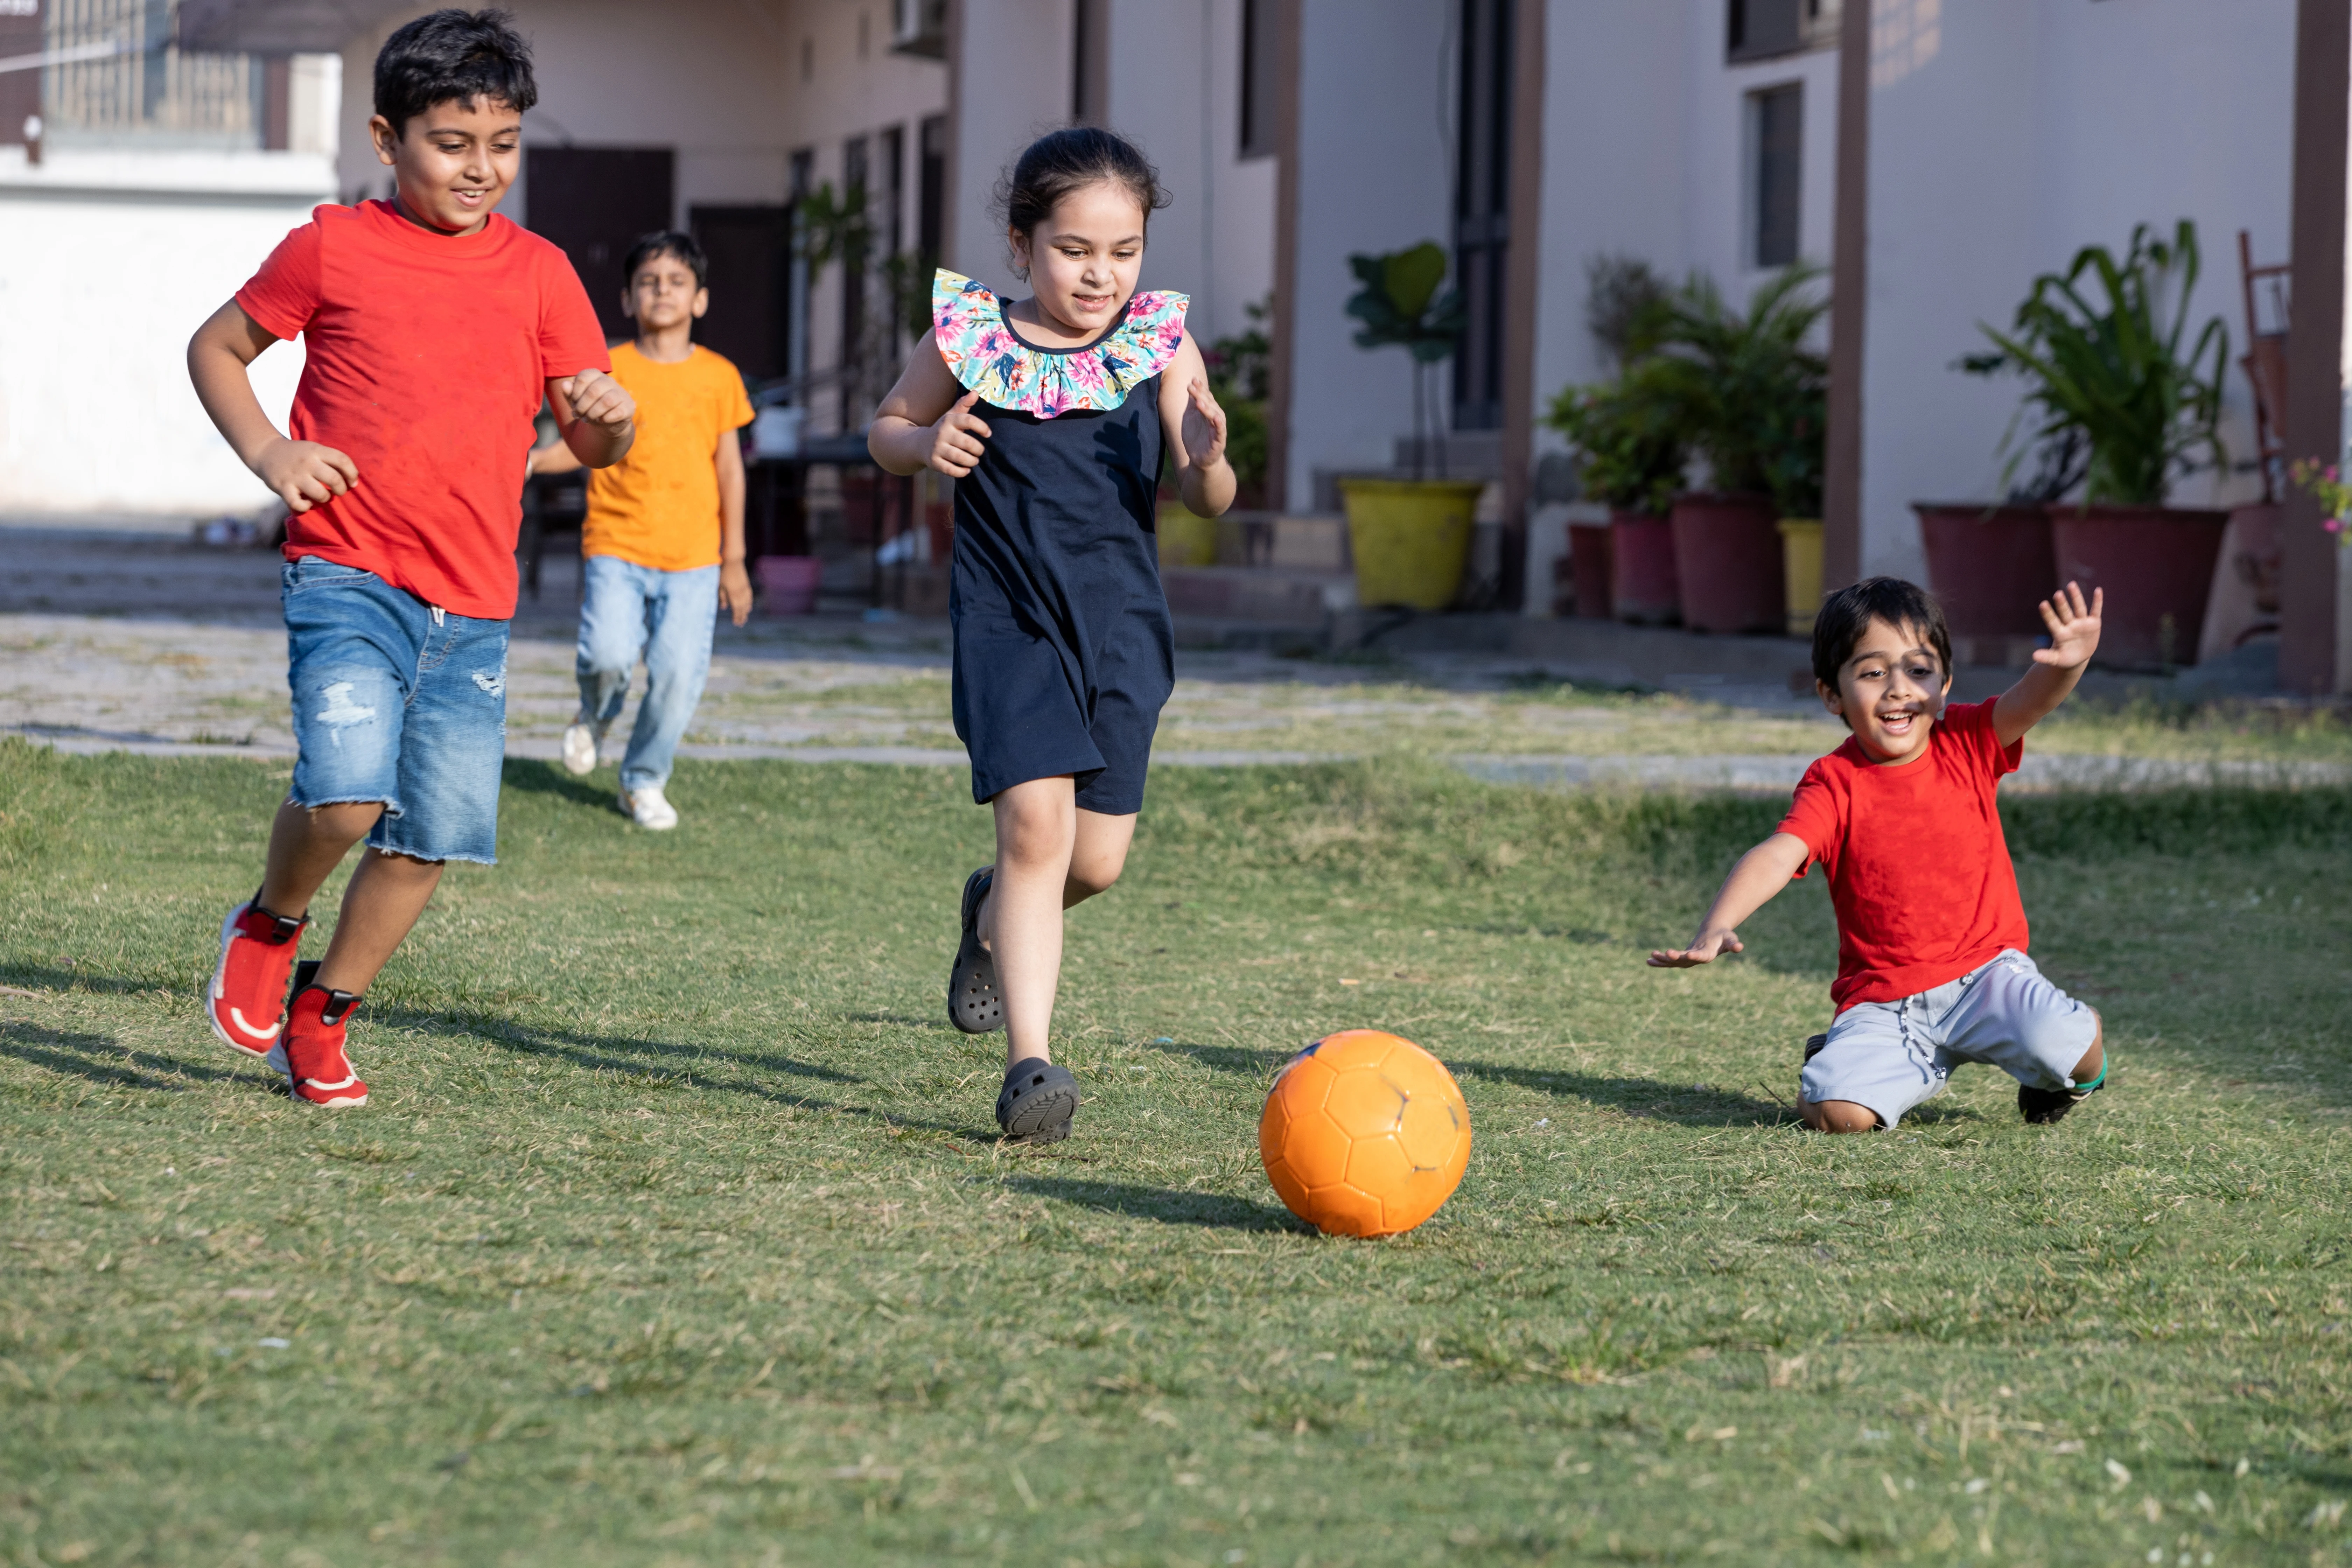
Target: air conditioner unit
[[921, 29]]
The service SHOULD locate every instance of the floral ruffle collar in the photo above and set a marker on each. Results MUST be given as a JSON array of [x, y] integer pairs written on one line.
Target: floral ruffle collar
[[969, 323]]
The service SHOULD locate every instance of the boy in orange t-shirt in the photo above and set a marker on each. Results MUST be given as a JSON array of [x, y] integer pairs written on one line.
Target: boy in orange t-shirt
[[663, 539]]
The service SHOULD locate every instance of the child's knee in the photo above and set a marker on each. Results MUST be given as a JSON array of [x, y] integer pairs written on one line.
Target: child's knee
[[1838, 1116], [1096, 875]]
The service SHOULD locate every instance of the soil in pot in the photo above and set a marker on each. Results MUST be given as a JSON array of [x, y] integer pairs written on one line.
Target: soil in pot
[[1727, 559], [1643, 587], [1990, 567], [2155, 565]]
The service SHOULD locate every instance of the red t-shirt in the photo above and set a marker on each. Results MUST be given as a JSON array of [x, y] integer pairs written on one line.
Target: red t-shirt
[[427, 358], [1918, 865]]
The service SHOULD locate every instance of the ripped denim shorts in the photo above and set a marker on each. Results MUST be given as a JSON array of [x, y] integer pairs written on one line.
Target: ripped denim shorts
[[397, 702]]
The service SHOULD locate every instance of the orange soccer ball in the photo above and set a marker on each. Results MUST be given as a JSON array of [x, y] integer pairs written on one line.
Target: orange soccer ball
[[1364, 1134]]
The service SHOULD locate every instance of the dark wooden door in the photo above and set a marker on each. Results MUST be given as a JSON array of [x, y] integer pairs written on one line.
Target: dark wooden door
[[594, 202], [749, 318]]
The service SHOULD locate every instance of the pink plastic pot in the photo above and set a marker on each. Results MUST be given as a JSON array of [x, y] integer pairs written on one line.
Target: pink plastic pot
[[788, 584], [1643, 587], [1728, 559], [2155, 564]]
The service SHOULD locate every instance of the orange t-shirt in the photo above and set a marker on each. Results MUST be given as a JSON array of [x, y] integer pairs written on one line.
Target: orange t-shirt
[[659, 505]]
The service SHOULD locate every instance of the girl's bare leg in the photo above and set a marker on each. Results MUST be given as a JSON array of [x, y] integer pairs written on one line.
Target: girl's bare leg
[[1049, 856]]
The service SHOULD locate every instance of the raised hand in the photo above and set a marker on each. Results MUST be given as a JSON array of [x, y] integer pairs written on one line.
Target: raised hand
[[957, 438], [599, 399], [1709, 945], [1204, 424], [2073, 628], [304, 473]]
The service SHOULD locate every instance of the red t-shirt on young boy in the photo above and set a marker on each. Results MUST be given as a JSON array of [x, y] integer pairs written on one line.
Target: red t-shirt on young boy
[[1919, 869], [427, 360]]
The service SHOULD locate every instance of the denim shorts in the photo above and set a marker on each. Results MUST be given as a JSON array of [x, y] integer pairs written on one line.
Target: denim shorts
[[1894, 1055], [397, 702]]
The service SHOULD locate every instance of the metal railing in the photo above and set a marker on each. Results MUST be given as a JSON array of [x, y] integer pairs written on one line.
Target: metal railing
[[115, 75]]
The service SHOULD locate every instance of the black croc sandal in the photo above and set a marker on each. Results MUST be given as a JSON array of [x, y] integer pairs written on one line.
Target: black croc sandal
[[973, 1004], [1036, 1104]]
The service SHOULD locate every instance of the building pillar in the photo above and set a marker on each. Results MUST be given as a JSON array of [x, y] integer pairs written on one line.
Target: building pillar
[[2314, 352], [1849, 306], [1523, 279], [1281, 378]]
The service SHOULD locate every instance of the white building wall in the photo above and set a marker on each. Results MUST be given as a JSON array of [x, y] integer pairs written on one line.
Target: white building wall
[[2006, 134], [1375, 173], [136, 250], [1018, 69]]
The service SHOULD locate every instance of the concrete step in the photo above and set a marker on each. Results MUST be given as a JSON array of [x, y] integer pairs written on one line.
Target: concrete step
[[1271, 595]]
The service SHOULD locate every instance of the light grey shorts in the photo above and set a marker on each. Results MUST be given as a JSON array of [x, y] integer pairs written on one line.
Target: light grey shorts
[[1893, 1056]]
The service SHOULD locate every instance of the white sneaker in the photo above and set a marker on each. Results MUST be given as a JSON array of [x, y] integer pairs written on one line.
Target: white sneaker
[[649, 808], [579, 750]]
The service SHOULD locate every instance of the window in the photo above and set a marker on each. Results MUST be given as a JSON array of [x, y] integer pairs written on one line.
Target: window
[[1776, 149], [1765, 30], [1482, 191], [1260, 49], [116, 76]]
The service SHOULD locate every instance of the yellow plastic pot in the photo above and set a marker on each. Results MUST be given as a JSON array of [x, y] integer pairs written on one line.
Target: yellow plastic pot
[[1186, 539], [1411, 538], [1801, 560]]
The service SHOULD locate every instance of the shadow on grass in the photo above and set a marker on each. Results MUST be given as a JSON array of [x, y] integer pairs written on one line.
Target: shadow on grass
[[686, 1066], [546, 778], [1250, 1062], [1164, 1205], [101, 1060], [50, 978], [1642, 1098]]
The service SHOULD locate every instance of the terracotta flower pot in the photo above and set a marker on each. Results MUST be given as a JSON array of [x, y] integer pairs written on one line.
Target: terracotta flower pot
[[1643, 587], [2155, 564], [1590, 562], [1989, 565], [1727, 559]]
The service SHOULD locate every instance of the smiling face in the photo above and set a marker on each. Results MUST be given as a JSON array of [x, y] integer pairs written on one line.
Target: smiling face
[[663, 294], [1890, 693], [453, 162], [1083, 260]]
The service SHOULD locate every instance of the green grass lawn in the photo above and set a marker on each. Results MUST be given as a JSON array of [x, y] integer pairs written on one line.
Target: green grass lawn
[[676, 1229]]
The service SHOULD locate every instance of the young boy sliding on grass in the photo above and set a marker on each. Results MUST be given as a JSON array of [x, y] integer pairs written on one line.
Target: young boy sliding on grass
[[432, 329], [663, 540], [1932, 970]]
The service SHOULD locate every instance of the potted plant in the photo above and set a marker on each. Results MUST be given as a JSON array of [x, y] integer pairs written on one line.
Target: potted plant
[[1989, 561], [1630, 458], [1410, 538], [2112, 371], [1752, 396], [1238, 368]]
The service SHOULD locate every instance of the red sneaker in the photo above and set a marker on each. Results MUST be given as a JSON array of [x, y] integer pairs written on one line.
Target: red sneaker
[[246, 1004], [316, 1068]]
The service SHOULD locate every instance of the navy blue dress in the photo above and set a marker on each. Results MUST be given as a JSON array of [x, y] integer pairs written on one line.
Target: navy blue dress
[[1063, 650]]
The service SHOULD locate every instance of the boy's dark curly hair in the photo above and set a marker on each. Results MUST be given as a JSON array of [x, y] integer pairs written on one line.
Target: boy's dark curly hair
[[461, 56], [1846, 614]]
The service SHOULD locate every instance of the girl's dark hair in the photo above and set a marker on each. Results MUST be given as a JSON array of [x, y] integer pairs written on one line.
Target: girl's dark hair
[[667, 242], [453, 56], [1846, 614], [1055, 164]]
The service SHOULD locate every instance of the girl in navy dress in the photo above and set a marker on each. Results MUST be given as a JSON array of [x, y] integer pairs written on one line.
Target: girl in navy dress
[[1051, 414]]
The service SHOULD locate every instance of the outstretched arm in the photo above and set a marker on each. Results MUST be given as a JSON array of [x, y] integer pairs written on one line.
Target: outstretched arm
[[1761, 872], [2074, 638]]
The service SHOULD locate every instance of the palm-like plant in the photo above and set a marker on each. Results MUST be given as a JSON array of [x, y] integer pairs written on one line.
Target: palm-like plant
[[1399, 305], [2112, 375], [1752, 395]]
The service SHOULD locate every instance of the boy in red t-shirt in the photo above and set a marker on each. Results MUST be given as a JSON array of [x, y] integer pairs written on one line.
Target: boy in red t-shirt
[[433, 330], [1932, 970]]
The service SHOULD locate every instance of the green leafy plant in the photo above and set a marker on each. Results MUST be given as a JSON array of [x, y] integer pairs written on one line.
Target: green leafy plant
[[1622, 298], [2333, 492], [1400, 306], [830, 228], [1627, 439], [1238, 369], [1752, 397], [907, 285], [2112, 372]]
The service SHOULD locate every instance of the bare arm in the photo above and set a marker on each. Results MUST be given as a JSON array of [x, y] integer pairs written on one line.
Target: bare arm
[[596, 415], [1761, 872], [927, 421], [1196, 434], [2058, 668], [734, 581], [302, 473], [557, 458]]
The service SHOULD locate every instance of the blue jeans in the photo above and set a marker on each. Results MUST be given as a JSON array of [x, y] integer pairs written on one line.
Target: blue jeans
[[625, 610], [399, 702]]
